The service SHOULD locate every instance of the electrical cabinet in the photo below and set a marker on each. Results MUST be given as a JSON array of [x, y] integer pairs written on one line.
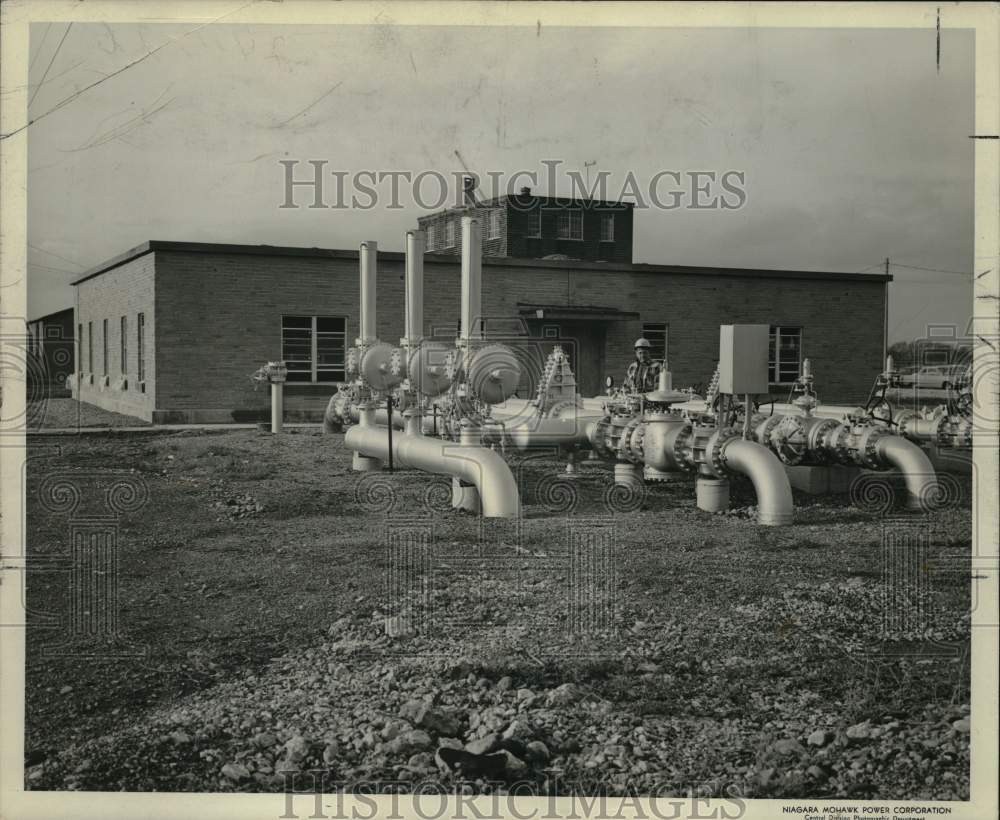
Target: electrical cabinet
[[743, 358]]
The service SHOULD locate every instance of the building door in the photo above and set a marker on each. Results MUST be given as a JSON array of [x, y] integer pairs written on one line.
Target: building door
[[583, 343]]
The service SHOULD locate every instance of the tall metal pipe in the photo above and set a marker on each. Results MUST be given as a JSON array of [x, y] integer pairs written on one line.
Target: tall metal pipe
[[415, 246], [474, 465], [369, 274], [472, 281], [365, 462], [918, 472], [553, 432], [766, 472]]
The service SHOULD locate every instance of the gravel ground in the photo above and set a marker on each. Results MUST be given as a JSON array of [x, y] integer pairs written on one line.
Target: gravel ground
[[69, 413], [271, 635]]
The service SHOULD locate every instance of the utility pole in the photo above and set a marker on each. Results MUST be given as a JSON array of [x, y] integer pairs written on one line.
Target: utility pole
[[587, 167], [885, 318]]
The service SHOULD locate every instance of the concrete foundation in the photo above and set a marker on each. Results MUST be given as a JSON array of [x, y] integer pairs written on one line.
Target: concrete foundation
[[712, 494], [819, 480], [628, 475], [364, 464]]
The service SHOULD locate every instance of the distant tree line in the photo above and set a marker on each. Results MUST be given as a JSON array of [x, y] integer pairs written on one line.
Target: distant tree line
[[927, 352]]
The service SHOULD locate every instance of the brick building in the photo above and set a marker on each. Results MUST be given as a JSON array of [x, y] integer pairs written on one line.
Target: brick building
[[527, 226], [51, 346], [171, 331]]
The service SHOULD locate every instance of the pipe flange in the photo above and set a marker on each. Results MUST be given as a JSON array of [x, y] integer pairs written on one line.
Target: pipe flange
[[600, 438], [351, 361], [681, 450], [453, 364], [638, 441], [567, 406], [830, 440], [397, 363], [626, 446], [868, 451], [763, 426], [718, 443]]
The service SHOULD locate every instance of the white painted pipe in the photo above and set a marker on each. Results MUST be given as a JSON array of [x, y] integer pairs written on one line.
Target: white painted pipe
[[549, 433], [415, 247], [712, 494], [365, 462], [766, 472], [478, 466], [472, 281], [526, 412], [369, 274], [277, 406], [912, 462], [823, 411]]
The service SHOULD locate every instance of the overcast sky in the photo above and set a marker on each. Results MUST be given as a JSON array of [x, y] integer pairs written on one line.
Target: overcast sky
[[854, 146]]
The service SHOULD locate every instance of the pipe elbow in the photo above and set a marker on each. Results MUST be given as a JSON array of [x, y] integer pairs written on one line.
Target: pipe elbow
[[921, 479], [474, 465], [765, 471], [492, 477]]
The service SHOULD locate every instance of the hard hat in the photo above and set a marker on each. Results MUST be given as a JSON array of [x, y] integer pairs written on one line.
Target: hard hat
[[642, 343]]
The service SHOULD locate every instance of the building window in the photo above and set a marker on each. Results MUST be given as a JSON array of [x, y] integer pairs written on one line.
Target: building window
[[79, 348], [90, 347], [313, 347], [533, 226], [449, 233], [656, 334], [104, 345], [785, 360], [140, 350], [494, 224], [607, 227], [570, 224], [432, 236], [124, 341]]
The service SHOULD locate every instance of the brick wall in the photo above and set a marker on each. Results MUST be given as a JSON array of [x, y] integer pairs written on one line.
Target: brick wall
[[522, 215], [126, 290], [841, 321], [218, 318], [519, 223], [491, 246]]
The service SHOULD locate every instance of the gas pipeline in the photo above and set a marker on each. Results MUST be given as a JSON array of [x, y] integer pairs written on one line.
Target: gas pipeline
[[423, 385], [450, 409], [804, 432]]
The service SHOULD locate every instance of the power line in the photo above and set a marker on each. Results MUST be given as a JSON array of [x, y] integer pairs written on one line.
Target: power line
[[55, 54], [56, 255], [50, 269], [932, 270], [41, 43]]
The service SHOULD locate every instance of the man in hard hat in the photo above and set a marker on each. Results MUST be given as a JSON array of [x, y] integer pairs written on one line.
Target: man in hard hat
[[643, 374]]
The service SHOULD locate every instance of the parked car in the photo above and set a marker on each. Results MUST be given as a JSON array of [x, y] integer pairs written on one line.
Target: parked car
[[932, 377]]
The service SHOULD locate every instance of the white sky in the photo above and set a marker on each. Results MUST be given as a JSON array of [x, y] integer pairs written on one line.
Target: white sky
[[854, 145]]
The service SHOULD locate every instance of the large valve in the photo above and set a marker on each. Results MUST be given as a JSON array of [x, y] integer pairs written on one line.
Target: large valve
[[376, 367], [494, 374], [427, 368]]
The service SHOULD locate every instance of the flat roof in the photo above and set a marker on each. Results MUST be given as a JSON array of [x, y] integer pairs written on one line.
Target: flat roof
[[51, 315], [454, 259]]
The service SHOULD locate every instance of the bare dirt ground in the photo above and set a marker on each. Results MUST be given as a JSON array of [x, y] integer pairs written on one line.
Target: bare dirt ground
[[65, 413], [607, 643]]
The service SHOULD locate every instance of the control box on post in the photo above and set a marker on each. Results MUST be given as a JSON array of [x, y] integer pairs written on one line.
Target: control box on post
[[743, 359]]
